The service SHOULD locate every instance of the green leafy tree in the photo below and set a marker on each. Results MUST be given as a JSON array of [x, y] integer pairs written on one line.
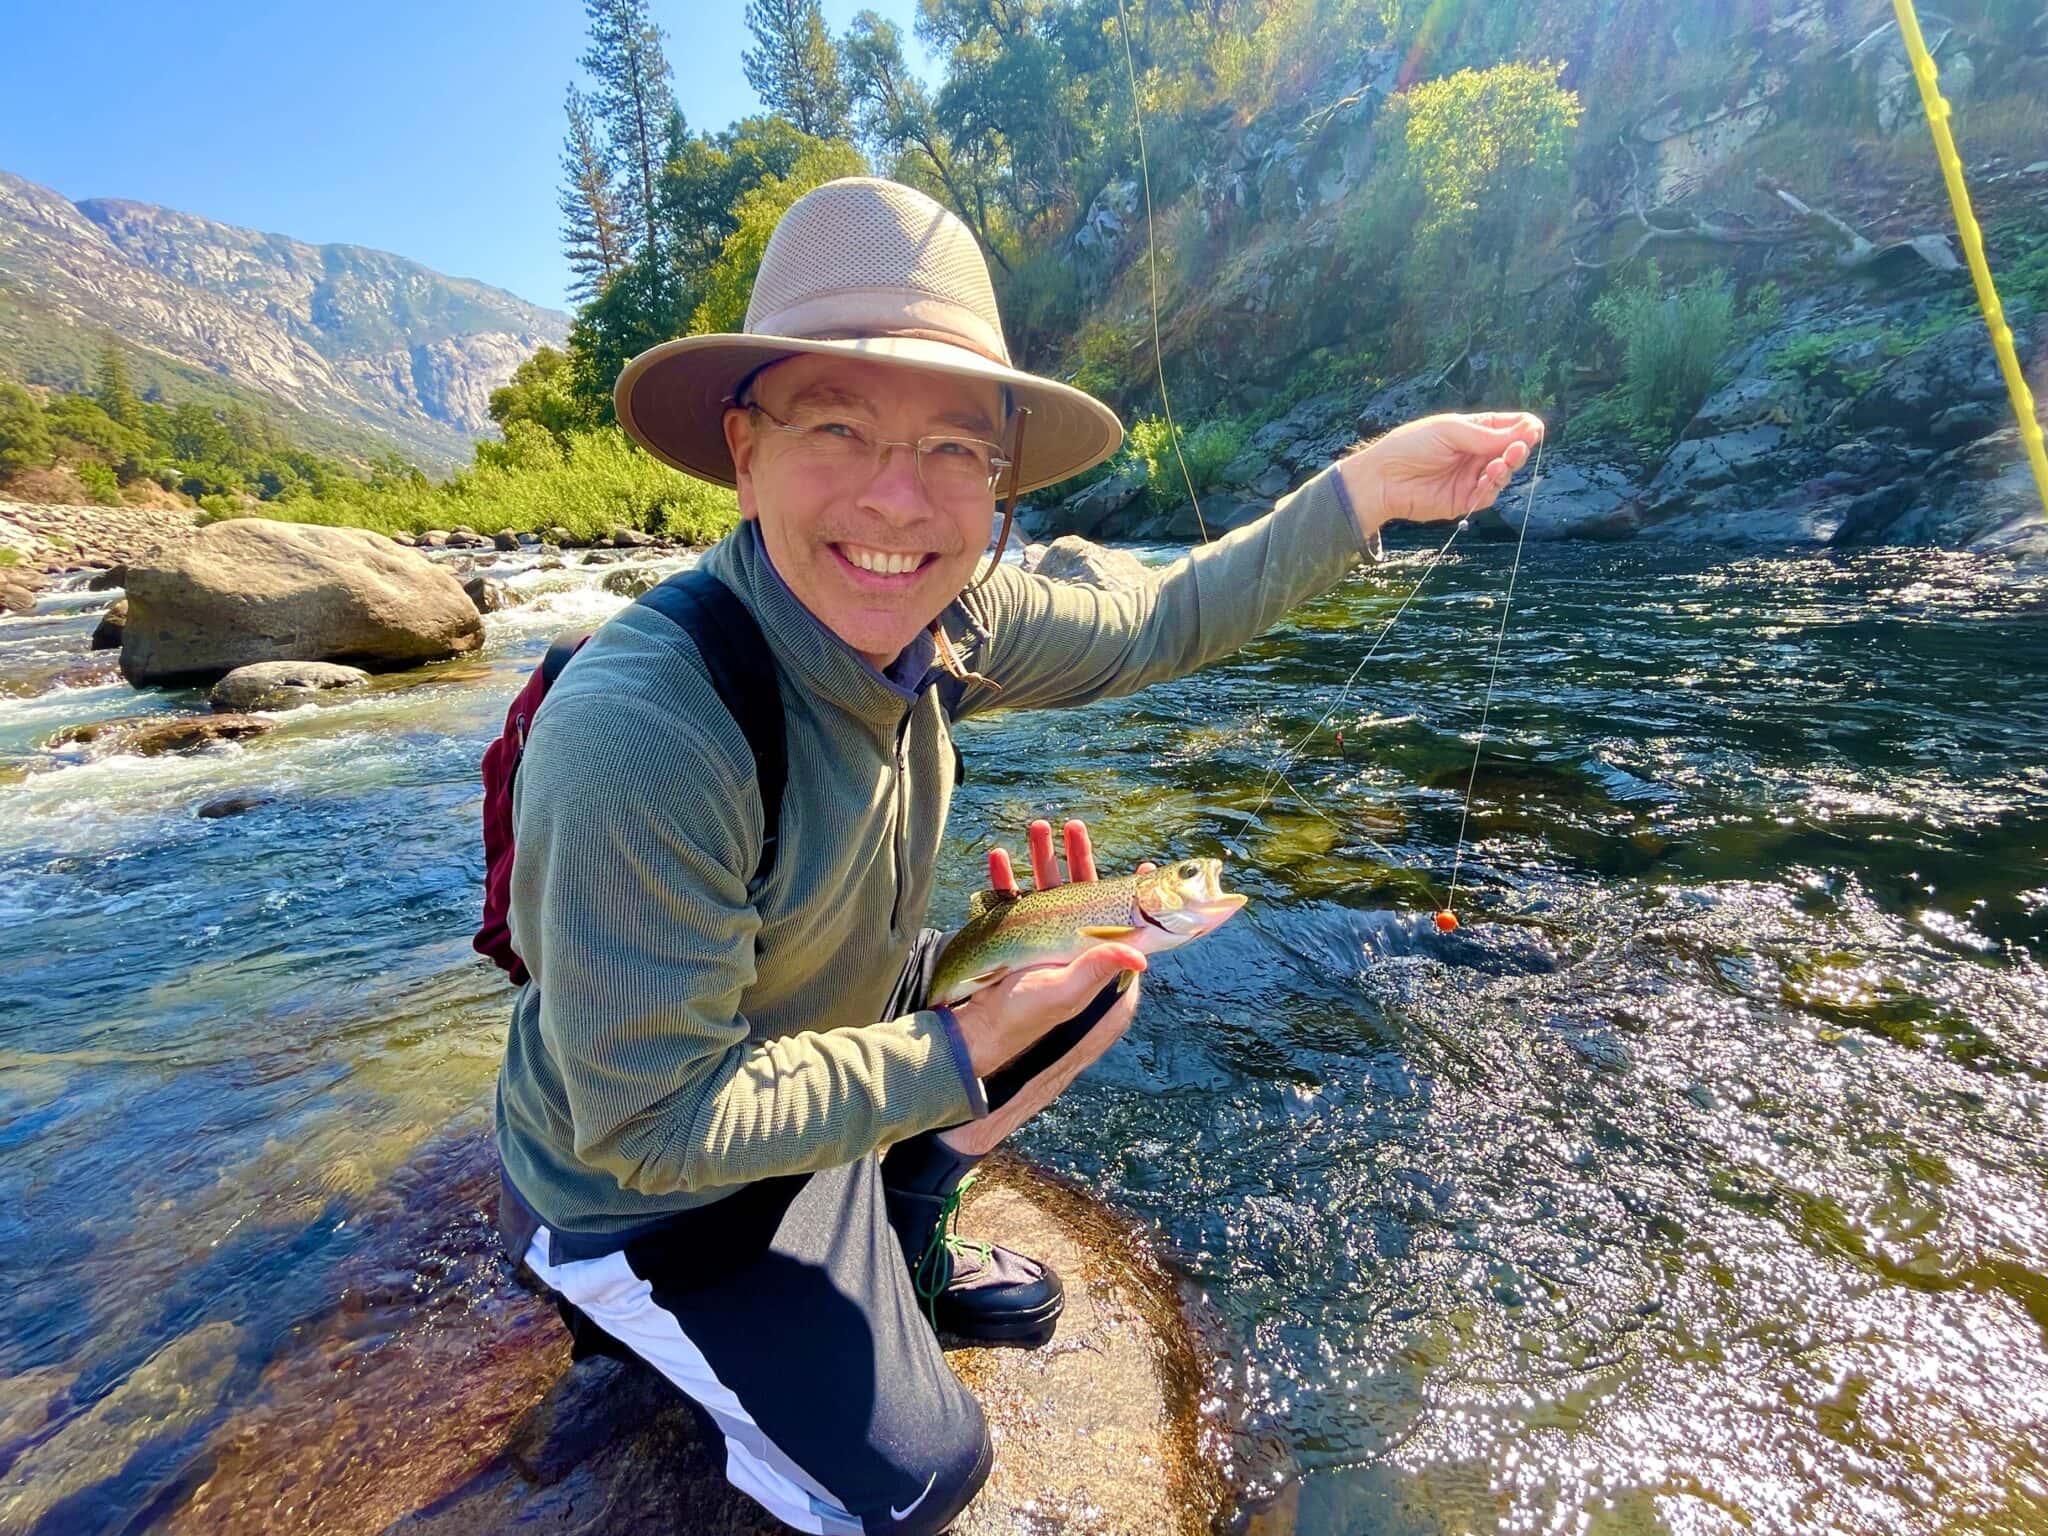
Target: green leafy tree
[[893, 113], [527, 446], [636, 310], [704, 179], [82, 430], [541, 391], [592, 236], [100, 483], [24, 435], [1484, 144], [794, 66], [731, 279], [635, 100]]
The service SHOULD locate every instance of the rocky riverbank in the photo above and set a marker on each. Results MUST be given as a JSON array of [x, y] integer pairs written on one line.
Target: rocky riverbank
[[1857, 420]]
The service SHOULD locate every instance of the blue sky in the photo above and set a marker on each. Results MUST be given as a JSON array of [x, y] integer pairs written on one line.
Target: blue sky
[[430, 129]]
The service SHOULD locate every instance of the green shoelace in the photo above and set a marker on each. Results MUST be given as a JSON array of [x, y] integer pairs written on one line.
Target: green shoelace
[[935, 1264]]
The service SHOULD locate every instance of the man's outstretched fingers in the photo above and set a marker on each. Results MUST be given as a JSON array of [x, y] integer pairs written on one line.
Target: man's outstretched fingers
[[1045, 870], [1001, 877], [1080, 853]]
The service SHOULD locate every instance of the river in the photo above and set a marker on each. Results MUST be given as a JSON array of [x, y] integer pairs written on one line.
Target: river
[[1697, 1183]]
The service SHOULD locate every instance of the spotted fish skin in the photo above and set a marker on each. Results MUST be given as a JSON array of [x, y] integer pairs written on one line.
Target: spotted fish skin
[[1152, 912]]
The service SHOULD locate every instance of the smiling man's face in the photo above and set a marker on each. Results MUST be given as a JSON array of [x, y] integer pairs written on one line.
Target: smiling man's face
[[875, 554]]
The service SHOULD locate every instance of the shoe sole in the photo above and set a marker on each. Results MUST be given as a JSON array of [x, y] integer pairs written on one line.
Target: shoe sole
[[1030, 1328]]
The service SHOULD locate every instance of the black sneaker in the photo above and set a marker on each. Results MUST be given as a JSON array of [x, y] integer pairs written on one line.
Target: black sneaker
[[975, 1291]]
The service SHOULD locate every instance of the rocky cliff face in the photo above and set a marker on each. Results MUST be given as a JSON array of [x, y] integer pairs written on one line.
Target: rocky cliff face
[[359, 336]]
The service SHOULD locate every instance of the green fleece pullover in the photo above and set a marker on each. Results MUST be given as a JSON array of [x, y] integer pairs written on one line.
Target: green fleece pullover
[[683, 1034]]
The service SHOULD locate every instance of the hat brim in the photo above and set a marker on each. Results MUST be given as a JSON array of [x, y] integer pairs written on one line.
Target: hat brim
[[672, 399]]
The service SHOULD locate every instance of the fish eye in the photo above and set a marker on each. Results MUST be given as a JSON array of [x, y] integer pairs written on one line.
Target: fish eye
[[1190, 870]]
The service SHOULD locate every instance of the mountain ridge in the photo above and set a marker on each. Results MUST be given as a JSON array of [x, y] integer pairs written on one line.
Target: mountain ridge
[[358, 337]]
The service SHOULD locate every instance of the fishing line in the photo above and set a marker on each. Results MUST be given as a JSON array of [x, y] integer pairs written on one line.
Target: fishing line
[[1123, 32], [1507, 603], [1277, 777]]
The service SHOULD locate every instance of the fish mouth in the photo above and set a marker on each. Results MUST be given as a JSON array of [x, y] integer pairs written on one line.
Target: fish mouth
[[1196, 918]]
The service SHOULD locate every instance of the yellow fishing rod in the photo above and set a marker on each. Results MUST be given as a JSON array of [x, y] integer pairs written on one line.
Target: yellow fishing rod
[[1973, 245]]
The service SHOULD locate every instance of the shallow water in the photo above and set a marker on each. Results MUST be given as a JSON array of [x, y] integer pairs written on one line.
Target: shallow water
[[1698, 1183]]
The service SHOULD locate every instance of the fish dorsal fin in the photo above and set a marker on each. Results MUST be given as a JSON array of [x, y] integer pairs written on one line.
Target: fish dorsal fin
[[981, 903]]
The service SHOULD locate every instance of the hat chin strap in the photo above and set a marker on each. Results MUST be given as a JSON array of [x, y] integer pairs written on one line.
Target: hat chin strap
[[1009, 503]]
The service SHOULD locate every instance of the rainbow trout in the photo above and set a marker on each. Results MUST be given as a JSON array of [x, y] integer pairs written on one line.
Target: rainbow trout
[[1153, 912]]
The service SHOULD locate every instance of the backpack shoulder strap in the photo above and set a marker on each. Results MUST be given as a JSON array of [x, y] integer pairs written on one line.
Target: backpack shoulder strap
[[743, 671]]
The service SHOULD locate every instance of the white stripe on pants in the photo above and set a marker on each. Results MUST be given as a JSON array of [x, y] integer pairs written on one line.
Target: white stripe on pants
[[621, 1303]]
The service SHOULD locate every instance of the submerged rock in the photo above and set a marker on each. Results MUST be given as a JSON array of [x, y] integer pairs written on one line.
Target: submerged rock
[[1071, 558], [437, 1400], [489, 595], [18, 590], [169, 1396], [249, 590], [630, 582], [223, 806], [159, 735], [281, 684]]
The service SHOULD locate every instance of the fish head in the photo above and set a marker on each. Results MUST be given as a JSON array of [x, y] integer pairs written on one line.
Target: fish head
[[1186, 898]]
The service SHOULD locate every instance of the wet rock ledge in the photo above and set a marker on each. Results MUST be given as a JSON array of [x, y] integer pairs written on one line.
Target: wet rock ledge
[[439, 1400]]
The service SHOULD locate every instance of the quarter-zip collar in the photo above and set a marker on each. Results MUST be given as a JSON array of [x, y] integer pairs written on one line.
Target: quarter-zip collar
[[807, 649]]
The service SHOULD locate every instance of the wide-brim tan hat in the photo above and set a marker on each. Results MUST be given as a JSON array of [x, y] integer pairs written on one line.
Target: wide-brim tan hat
[[858, 268]]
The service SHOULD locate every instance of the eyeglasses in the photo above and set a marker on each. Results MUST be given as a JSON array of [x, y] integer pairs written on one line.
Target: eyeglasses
[[950, 467]]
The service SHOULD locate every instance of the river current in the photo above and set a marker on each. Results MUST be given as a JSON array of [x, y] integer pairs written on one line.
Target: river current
[[1697, 1183]]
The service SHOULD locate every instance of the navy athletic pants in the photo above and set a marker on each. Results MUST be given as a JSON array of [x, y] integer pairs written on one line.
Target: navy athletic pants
[[787, 1312]]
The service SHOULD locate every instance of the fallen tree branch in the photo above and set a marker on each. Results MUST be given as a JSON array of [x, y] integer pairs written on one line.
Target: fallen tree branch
[[1861, 250]]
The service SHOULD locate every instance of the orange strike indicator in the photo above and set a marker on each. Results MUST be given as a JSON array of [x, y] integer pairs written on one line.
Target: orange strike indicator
[[1447, 921]]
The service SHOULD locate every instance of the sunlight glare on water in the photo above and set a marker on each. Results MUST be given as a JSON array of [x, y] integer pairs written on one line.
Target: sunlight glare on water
[[1695, 1184]]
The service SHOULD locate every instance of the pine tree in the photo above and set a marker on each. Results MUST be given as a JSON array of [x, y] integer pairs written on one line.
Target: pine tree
[[794, 67], [116, 394], [591, 233], [635, 101]]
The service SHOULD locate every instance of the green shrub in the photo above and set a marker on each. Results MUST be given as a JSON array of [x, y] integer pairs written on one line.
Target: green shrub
[[9, 555], [596, 482], [24, 435], [1847, 360], [100, 483], [1206, 450], [216, 505], [1671, 346], [1825, 359]]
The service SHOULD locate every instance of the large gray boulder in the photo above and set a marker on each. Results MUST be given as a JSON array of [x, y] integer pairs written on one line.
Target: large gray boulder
[[1071, 558], [250, 590], [1099, 504], [1573, 501], [1955, 368], [281, 684]]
